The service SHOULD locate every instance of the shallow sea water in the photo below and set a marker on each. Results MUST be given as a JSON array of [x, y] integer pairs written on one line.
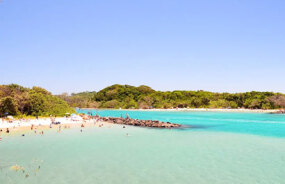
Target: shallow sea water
[[223, 148]]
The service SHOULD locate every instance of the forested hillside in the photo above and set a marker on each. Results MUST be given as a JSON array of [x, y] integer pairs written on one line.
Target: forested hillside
[[18, 100], [144, 97], [81, 100]]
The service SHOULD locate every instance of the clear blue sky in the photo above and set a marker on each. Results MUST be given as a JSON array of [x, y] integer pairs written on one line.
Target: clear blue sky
[[80, 45]]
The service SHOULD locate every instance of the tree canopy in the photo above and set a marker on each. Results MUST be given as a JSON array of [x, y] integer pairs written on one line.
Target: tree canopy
[[144, 97], [18, 100]]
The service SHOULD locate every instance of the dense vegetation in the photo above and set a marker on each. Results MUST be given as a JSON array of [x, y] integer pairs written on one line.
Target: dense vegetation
[[81, 100], [18, 100], [143, 97]]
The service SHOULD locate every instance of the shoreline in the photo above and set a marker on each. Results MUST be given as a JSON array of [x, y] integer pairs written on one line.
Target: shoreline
[[196, 110], [43, 124]]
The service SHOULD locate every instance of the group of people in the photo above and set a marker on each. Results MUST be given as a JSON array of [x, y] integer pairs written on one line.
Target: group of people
[[37, 130], [7, 131], [33, 128]]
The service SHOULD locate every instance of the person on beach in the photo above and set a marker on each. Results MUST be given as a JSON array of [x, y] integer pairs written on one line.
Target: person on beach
[[52, 120], [7, 130], [82, 126]]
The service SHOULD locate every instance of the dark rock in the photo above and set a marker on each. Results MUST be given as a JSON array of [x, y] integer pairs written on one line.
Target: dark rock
[[142, 123], [279, 112]]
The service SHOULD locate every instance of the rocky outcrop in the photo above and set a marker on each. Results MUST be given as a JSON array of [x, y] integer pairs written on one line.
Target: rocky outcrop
[[279, 112], [141, 123]]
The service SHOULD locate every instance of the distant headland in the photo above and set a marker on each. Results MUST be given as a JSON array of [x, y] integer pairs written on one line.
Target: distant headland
[[143, 97], [17, 100]]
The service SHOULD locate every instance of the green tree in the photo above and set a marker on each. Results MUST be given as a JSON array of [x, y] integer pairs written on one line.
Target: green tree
[[8, 105]]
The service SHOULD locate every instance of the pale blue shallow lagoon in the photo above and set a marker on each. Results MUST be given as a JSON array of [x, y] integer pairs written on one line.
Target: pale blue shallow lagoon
[[220, 148]]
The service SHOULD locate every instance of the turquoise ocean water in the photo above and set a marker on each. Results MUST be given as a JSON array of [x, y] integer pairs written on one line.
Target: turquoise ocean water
[[220, 148]]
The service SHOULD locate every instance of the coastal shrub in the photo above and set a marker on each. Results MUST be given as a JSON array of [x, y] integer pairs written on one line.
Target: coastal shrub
[[277, 100], [8, 106], [17, 100], [111, 104]]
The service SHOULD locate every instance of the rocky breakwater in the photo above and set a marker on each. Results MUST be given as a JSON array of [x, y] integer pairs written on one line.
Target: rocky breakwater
[[279, 112], [141, 123]]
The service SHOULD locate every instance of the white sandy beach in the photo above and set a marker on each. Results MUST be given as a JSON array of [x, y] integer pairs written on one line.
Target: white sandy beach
[[41, 122], [28, 123]]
